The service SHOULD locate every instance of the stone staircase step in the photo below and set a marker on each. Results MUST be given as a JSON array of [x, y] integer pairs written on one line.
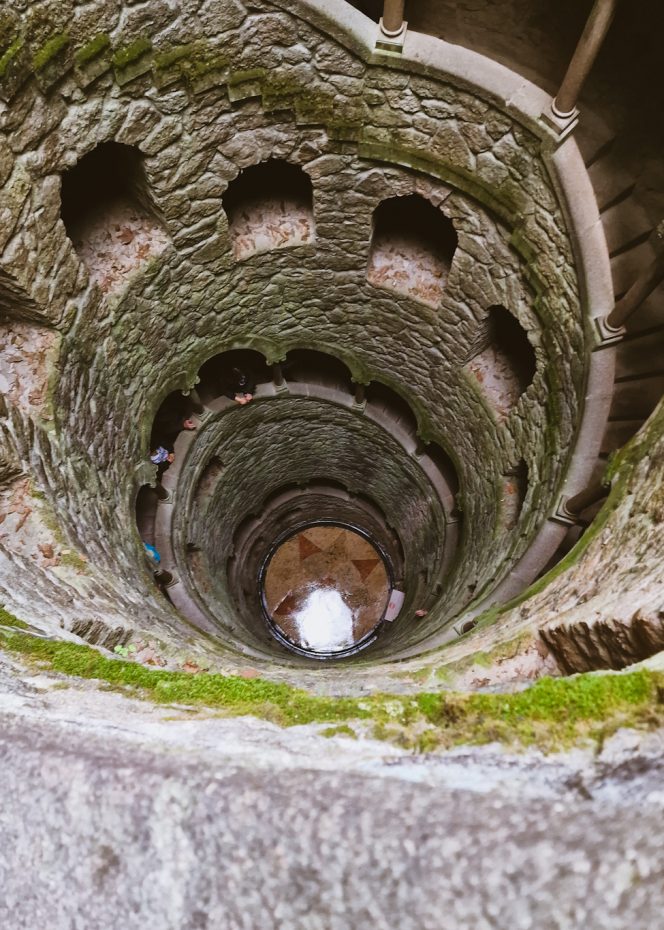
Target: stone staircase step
[[610, 181], [627, 266], [594, 138], [641, 355], [650, 314], [625, 225], [637, 398], [617, 433]]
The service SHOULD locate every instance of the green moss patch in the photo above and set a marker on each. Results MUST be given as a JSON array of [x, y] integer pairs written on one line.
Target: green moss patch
[[50, 50], [552, 714], [6, 619], [242, 77], [341, 730], [9, 55], [92, 49], [128, 54]]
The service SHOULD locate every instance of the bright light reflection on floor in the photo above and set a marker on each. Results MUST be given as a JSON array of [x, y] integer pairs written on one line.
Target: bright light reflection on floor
[[325, 621]]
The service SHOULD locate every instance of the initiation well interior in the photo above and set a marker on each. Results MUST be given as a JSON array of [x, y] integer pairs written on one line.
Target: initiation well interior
[[410, 268]]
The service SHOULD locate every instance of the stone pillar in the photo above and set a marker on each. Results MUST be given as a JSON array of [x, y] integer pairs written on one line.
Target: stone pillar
[[277, 374], [195, 399], [564, 112], [644, 285], [569, 508], [392, 20], [590, 495], [360, 395], [392, 27], [611, 328]]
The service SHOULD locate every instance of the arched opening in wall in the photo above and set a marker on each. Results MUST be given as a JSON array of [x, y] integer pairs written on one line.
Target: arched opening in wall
[[269, 206], [147, 501], [175, 414], [412, 248], [503, 361], [514, 490], [232, 374], [246, 529], [109, 214], [313, 367], [445, 465], [390, 409]]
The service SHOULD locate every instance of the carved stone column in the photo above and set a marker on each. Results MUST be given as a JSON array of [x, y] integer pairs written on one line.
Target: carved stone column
[[360, 398], [392, 27], [277, 374], [564, 114], [392, 21], [644, 285], [611, 328]]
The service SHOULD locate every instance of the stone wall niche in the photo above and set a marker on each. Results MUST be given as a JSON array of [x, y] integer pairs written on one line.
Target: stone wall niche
[[412, 248], [269, 206], [502, 361], [109, 215]]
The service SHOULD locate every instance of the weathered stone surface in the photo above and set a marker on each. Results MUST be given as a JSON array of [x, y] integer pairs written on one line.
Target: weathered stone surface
[[136, 814]]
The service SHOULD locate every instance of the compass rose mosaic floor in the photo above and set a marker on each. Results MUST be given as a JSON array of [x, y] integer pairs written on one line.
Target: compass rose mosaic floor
[[326, 588]]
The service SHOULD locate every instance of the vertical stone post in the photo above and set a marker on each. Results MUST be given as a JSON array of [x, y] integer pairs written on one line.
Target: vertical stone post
[[277, 374], [195, 399], [392, 20], [564, 113], [644, 285], [360, 395], [611, 328], [596, 492], [392, 27]]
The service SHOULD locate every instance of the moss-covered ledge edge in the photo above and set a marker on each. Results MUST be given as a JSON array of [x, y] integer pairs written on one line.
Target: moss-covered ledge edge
[[552, 714]]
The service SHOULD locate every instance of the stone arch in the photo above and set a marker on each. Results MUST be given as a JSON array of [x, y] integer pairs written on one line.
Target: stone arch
[[503, 361], [215, 374], [412, 248], [392, 409], [109, 213], [269, 206], [317, 367]]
